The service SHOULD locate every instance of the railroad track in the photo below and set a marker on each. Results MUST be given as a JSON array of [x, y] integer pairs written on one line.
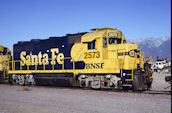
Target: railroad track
[[157, 92], [153, 92]]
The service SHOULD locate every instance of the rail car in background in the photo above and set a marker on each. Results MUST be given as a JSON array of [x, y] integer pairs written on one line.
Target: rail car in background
[[98, 59], [5, 55]]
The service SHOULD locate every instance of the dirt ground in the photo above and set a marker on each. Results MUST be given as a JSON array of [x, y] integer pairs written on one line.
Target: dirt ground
[[159, 83], [34, 99]]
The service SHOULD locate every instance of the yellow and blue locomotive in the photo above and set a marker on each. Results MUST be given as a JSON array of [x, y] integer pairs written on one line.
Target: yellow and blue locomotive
[[5, 56], [98, 59]]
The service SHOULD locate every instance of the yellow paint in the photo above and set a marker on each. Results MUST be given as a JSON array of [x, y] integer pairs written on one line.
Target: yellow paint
[[127, 85]]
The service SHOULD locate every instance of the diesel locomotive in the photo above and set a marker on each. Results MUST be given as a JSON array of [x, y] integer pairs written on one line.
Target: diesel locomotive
[[98, 59], [5, 55]]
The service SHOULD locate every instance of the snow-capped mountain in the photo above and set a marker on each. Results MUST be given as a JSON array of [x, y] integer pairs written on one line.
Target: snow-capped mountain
[[155, 46]]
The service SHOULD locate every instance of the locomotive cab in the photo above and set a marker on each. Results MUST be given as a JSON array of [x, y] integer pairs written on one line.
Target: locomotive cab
[[108, 58], [106, 46]]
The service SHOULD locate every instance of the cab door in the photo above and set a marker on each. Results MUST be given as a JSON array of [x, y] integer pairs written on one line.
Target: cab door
[[105, 48]]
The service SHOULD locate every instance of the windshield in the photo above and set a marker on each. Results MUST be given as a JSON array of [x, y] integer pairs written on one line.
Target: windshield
[[114, 41], [1, 53]]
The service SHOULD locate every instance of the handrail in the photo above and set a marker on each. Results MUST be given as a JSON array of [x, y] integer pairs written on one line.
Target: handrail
[[19, 61]]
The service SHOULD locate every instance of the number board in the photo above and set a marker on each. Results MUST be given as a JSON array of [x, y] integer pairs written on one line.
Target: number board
[[89, 55], [112, 34]]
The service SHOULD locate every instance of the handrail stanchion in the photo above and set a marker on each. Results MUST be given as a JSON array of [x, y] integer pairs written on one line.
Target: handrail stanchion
[[63, 65]]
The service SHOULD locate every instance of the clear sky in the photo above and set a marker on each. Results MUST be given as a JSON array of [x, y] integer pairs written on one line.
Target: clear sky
[[22, 20]]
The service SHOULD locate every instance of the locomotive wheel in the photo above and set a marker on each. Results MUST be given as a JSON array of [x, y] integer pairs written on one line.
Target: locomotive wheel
[[89, 85], [119, 86]]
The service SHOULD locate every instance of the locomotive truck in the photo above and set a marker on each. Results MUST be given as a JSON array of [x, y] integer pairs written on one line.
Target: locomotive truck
[[98, 59]]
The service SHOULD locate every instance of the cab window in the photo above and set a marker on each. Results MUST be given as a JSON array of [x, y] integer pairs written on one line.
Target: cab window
[[118, 41], [114, 41], [5, 51], [91, 45], [111, 41], [104, 42], [1, 53], [124, 41]]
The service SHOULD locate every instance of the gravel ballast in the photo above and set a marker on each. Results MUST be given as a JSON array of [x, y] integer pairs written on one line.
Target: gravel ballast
[[41, 99]]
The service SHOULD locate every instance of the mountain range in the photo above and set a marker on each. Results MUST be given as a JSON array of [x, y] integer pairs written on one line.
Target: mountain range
[[160, 46]]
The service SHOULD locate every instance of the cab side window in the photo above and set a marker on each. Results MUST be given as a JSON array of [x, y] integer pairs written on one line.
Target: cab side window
[[118, 41], [1, 53], [91, 45], [111, 41], [5, 51], [124, 41], [104, 42]]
